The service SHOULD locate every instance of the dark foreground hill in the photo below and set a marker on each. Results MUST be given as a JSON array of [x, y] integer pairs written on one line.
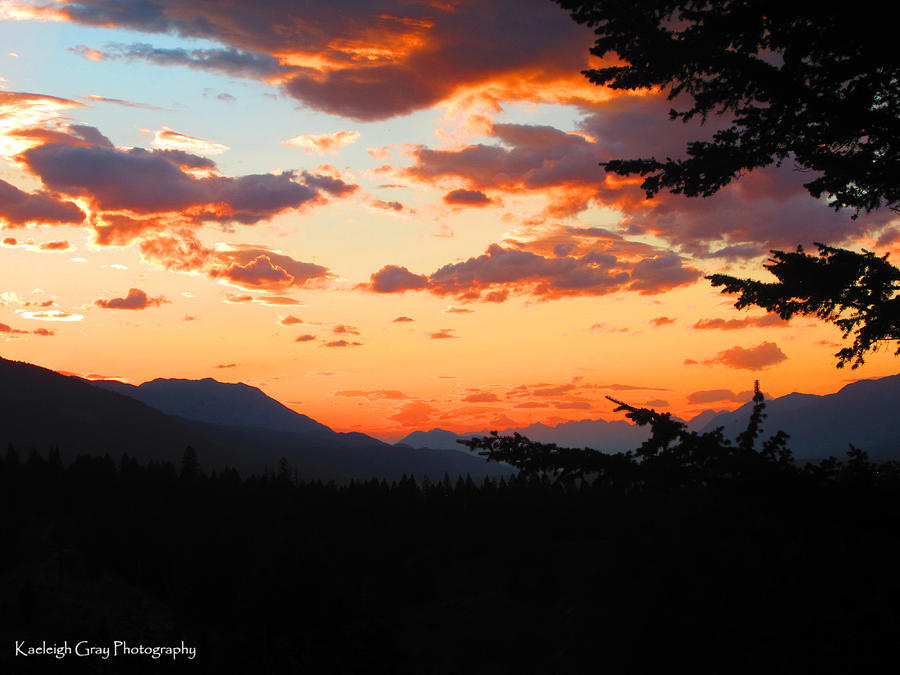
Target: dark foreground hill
[[42, 409]]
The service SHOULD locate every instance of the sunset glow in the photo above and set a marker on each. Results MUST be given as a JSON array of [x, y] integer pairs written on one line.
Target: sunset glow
[[388, 218]]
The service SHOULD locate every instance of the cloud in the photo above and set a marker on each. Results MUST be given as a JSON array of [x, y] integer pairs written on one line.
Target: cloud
[[136, 299], [572, 405], [759, 357], [58, 245], [711, 396], [414, 413], [341, 328], [118, 101], [323, 143], [288, 320], [467, 198], [342, 343], [167, 139], [481, 397], [402, 319], [388, 206], [395, 279], [492, 276], [231, 61], [362, 60], [305, 338], [6, 329], [736, 324], [376, 395], [18, 208], [225, 365], [629, 387], [662, 321], [52, 315], [443, 334]]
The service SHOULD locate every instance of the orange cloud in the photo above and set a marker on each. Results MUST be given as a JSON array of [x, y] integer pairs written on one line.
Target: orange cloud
[[136, 299], [759, 357], [735, 324], [323, 143]]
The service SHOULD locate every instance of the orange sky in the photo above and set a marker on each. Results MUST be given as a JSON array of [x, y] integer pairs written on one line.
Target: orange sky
[[387, 219]]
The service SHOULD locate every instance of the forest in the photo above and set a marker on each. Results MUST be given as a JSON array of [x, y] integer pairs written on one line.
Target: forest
[[691, 550]]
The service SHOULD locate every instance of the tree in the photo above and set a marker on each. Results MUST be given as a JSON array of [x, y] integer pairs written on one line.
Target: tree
[[793, 81], [858, 292], [799, 81]]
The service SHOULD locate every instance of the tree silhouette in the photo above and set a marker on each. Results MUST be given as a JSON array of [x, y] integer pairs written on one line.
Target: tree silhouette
[[800, 81], [858, 292], [794, 81]]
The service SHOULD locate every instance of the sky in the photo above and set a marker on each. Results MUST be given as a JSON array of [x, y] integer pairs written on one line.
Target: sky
[[388, 215]]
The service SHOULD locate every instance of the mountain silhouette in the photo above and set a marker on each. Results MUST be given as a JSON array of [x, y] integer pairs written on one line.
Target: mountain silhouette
[[43, 409], [615, 436], [208, 400], [863, 413]]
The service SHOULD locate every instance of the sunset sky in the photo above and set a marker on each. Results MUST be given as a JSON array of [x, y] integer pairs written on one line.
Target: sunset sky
[[389, 216]]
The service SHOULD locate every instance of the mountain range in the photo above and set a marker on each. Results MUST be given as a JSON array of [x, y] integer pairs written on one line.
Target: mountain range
[[863, 413], [232, 425]]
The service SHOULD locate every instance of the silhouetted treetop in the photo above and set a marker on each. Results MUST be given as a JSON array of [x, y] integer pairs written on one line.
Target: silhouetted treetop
[[816, 84], [858, 292]]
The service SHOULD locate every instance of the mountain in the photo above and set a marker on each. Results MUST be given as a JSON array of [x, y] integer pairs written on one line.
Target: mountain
[[615, 436], [864, 413], [216, 402], [42, 409]]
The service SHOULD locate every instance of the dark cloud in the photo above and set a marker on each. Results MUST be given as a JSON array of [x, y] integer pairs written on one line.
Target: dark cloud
[[304, 338], [529, 157], [136, 299], [358, 59], [402, 319], [492, 276], [18, 207], [394, 279], [153, 181], [349, 330], [467, 198], [256, 267], [443, 334], [230, 61], [662, 321]]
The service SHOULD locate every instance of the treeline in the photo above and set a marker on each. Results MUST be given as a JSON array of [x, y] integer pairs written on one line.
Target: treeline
[[718, 559]]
